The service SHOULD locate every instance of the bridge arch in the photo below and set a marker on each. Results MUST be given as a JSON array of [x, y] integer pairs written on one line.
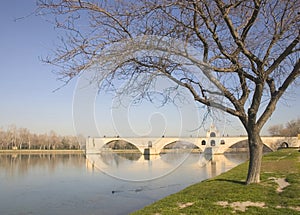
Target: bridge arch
[[284, 145], [171, 144], [120, 144], [95, 145], [242, 146], [180, 144], [107, 144]]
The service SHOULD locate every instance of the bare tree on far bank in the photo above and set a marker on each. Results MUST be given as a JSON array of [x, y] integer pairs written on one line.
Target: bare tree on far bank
[[250, 50], [290, 129], [22, 138]]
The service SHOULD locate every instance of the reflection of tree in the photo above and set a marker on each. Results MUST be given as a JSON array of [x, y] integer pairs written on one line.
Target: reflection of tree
[[130, 156], [115, 159], [110, 159], [21, 164], [236, 157], [173, 157]]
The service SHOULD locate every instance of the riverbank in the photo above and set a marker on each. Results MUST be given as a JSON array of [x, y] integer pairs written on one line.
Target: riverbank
[[41, 151], [278, 192]]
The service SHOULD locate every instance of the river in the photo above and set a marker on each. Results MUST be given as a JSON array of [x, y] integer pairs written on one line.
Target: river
[[105, 184]]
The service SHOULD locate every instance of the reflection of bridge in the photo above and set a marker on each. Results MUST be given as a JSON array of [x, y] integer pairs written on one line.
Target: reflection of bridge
[[219, 145], [142, 168]]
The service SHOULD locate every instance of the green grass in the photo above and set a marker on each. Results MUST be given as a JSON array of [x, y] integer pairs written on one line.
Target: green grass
[[202, 198]]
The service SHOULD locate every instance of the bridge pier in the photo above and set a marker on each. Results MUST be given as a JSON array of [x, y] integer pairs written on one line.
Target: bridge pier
[[150, 151], [209, 153]]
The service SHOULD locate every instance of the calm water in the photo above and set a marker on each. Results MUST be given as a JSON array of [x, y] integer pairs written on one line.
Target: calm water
[[109, 183]]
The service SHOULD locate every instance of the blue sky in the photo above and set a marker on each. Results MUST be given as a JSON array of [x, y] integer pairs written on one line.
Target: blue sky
[[28, 100]]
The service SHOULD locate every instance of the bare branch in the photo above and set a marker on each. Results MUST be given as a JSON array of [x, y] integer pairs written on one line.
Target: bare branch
[[248, 51], [284, 54], [224, 10], [278, 94]]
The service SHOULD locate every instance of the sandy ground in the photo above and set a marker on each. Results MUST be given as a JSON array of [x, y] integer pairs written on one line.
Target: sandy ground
[[242, 206], [282, 183]]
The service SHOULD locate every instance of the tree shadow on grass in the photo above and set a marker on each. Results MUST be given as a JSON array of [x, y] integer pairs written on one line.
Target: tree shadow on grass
[[231, 181]]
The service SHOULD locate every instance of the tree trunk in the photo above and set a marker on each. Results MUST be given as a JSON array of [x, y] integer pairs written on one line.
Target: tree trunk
[[256, 153]]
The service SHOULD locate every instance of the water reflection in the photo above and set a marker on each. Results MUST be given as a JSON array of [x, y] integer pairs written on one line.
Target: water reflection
[[135, 167], [18, 165], [71, 184], [127, 166]]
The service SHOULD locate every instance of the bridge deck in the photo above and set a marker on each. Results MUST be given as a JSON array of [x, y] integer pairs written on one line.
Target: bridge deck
[[218, 144]]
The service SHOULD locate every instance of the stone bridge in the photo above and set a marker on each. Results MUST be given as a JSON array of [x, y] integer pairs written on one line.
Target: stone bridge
[[217, 144]]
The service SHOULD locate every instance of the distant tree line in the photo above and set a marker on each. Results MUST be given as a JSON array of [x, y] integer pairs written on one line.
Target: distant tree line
[[290, 129], [21, 138]]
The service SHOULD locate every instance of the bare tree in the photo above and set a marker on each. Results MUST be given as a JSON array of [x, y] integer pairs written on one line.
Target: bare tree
[[250, 50], [12, 136], [53, 139], [291, 129], [24, 136], [43, 141], [34, 141], [276, 130], [3, 140]]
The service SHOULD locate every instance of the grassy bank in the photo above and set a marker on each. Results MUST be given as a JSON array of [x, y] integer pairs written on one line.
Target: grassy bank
[[278, 192]]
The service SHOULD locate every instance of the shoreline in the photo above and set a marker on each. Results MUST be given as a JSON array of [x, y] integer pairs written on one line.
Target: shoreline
[[277, 193]]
